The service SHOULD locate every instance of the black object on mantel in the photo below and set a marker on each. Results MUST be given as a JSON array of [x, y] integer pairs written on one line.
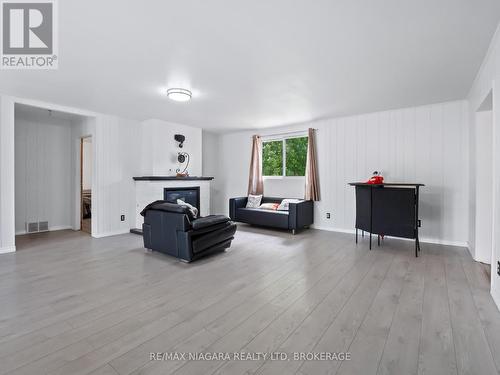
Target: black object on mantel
[[172, 178], [389, 209]]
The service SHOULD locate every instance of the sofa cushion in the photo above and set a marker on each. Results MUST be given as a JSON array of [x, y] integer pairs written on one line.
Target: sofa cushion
[[269, 206], [285, 204], [253, 201], [278, 219], [262, 210]]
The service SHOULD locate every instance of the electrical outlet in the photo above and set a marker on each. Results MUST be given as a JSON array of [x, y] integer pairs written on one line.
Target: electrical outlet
[[498, 268], [327, 215], [122, 218]]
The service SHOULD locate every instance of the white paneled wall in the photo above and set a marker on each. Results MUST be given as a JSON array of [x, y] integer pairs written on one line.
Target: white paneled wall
[[7, 176], [426, 144], [43, 170], [159, 148], [117, 160], [116, 147], [483, 176], [488, 82], [120, 151], [211, 158]]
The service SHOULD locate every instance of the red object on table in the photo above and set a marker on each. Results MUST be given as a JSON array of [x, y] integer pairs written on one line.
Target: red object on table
[[375, 180]]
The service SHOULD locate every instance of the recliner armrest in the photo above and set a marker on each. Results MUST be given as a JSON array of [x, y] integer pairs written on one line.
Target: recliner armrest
[[208, 221]]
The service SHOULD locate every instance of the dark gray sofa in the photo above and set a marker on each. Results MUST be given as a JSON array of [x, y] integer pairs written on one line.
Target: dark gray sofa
[[300, 215], [171, 229]]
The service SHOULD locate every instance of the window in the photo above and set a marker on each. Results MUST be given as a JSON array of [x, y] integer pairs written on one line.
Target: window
[[272, 159], [284, 157]]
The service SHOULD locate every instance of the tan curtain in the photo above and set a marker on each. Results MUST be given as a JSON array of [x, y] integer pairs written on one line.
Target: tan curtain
[[312, 181], [255, 182]]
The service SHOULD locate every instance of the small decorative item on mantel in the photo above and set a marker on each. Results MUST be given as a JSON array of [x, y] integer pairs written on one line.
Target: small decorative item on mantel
[[182, 157]]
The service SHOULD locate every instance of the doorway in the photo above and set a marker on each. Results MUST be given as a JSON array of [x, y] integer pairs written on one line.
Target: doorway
[[86, 184]]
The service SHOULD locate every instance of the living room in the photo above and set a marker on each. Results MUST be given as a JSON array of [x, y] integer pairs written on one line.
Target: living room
[[230, 187]]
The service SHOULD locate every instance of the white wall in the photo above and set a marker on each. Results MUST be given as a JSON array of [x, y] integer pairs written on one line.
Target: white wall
[[121, 149], [117, 160], [159, 149], [43, 170], [484, 187], [7, 176], [230, 166], [87, 164], [211, 156], [426, 144], [487, 81]]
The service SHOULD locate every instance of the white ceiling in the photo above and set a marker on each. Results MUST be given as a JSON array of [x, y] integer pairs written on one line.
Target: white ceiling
[[255, 64]]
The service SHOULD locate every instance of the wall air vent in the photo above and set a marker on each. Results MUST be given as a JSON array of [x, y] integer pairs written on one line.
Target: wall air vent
[[31, 227], [43, 226]]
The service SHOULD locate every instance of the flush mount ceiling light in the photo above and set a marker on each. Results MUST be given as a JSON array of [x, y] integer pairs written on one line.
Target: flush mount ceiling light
[[179, 95]]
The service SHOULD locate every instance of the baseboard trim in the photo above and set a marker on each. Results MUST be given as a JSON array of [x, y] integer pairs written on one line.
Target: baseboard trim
[[495, 299], [109, 234], [422, 239], [61, 227], [7, 249], [51, 229], [332, 229]]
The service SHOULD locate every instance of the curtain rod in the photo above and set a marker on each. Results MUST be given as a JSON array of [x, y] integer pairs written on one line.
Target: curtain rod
[[285, 133]]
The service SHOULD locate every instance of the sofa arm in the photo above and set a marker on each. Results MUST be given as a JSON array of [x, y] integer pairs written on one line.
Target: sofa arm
[[235, 203], [301, 214]]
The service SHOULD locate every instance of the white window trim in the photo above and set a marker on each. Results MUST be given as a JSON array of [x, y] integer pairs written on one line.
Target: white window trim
[[283, 139]]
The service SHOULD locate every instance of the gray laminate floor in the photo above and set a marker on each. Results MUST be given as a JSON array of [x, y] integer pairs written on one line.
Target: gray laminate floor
[[70, 304]]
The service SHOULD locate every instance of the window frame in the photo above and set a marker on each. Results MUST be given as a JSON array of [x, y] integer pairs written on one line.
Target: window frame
[[283, 139]]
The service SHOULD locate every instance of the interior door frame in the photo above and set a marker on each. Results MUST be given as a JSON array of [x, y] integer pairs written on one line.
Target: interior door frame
[[82, 140]]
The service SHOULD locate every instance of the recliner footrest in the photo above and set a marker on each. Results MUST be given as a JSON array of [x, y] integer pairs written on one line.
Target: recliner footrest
[[208, 221], [212, 238]]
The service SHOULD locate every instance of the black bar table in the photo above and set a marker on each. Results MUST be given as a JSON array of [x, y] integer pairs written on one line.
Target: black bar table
[[389, 209]]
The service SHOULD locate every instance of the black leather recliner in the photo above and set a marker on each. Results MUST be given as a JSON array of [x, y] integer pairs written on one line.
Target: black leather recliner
[[171, 229]]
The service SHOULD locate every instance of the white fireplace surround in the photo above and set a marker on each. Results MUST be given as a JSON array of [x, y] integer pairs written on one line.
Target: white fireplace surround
[[150, 191]]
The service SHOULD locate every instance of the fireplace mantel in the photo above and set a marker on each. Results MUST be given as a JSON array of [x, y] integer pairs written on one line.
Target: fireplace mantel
[[151, 188], [172, 178]]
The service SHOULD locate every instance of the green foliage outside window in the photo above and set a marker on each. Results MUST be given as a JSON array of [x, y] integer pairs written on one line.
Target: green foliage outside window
[[296, 154], [295, 157], [272, 158]]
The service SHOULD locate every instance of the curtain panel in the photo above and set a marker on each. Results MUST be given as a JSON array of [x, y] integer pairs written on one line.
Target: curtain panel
[[312, 180], [255, 181]]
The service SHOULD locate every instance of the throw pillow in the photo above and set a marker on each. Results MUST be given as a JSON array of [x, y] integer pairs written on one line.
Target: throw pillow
[[269, 206], [194, 210], [254, 201], [285, 204]]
